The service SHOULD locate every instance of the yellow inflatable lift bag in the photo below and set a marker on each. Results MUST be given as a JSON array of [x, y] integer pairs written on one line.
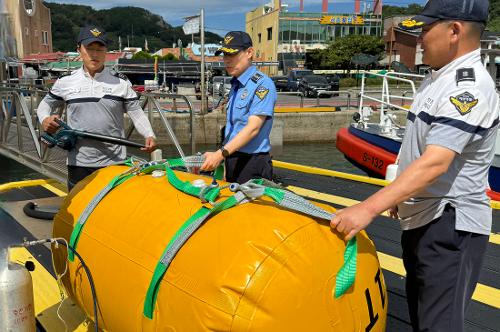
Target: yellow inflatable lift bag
[[250, 265]]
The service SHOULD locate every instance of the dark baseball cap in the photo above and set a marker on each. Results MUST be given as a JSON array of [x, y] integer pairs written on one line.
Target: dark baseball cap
[[436, 10], [90, 34], [235, 41]]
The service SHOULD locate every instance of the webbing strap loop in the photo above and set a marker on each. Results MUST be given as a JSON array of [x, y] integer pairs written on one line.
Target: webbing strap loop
[[178, 240], [75, 234], [347, 273], [145, 168], [249, 191]]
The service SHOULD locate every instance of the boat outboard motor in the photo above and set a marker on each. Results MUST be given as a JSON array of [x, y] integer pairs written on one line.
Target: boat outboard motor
[[17, 310], [66, 138]]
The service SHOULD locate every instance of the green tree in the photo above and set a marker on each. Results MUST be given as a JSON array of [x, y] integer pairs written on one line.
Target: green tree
[[339, 53], [411, 9], [169, 56], [135, 23], [494, 22], [141, 55]]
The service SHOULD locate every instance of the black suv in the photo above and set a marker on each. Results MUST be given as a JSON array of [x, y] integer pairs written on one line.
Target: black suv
[[334, 81], [294, 77], [311, 85], [280, 82]]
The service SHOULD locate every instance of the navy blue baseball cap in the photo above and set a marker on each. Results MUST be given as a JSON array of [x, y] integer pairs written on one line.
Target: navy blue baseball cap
[[235, 41], [90, 34], [437, 10]]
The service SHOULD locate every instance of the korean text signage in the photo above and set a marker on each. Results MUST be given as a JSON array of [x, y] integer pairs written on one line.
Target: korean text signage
[[342, 20]]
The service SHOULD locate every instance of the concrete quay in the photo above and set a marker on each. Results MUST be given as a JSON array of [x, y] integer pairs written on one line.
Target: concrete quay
[[294, 127]]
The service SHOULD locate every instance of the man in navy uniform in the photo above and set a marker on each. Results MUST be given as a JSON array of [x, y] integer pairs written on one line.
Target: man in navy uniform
[[250, 111], [439, 194], [96, 99]]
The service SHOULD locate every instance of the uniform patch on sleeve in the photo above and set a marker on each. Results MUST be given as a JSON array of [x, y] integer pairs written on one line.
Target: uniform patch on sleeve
[[466, 74], [464, 102], [262, 92]]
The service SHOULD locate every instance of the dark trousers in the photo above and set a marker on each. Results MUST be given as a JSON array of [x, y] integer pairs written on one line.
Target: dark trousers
[[442, 266], [78, 173], [241, 167]]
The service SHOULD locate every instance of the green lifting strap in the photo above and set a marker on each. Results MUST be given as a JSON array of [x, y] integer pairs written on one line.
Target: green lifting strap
[[186, 186], [75, 234], [345, 276], [187, 229], [210, 195], [347, 273]]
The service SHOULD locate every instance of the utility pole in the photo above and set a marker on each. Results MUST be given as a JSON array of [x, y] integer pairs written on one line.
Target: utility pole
[[203, 90]]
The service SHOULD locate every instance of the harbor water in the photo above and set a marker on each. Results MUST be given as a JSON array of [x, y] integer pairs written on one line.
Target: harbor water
[[323, 155]]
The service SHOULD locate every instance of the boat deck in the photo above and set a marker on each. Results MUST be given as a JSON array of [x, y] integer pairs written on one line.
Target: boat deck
[[484, 311], [483, 314]]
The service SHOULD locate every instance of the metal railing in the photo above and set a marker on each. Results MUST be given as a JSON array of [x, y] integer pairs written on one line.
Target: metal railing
[[20, 130], [335, 93], [387, 97], [294, 93]]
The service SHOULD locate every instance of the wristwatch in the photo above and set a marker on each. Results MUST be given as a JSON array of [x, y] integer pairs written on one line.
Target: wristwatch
[[225, 153]]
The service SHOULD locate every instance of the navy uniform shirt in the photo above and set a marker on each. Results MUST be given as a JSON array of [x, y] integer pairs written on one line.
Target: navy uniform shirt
[[252, 93], [456, 108]]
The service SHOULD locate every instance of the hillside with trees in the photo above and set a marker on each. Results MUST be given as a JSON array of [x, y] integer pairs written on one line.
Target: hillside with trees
[[494, 22], [133, 24], [391, 11]]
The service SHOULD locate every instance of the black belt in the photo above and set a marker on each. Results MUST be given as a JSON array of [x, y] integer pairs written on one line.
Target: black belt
[[243, 154]]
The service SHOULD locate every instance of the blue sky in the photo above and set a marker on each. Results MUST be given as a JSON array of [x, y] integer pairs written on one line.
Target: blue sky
[[223, 15]]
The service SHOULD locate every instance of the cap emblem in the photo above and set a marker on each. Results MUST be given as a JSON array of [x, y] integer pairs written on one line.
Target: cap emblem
[[95, 32], [411, 23], [228, 39]]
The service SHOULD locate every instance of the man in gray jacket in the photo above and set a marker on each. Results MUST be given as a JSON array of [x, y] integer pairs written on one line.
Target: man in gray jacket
[[96, 99]]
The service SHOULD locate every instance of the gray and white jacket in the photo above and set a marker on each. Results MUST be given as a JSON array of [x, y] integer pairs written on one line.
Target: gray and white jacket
[[96, 104]]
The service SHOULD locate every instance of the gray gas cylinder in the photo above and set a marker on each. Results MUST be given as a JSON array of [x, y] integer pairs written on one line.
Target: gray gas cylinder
[[17, 311]]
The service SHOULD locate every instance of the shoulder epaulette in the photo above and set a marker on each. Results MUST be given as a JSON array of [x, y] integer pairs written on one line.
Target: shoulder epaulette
[[256, 77], [118, 74], [66, 74], [465, 74]]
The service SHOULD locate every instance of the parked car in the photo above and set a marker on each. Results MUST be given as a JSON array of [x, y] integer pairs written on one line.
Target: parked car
[[311, 85], [281, 83], [294, 76], [334, 81], [220, 85]]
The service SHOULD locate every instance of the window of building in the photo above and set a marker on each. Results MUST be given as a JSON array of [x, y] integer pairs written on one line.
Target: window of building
[[29, 7], [260, 37], [36, 33], [285, 32], [270, 33], [26, 31], [45, 37]]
